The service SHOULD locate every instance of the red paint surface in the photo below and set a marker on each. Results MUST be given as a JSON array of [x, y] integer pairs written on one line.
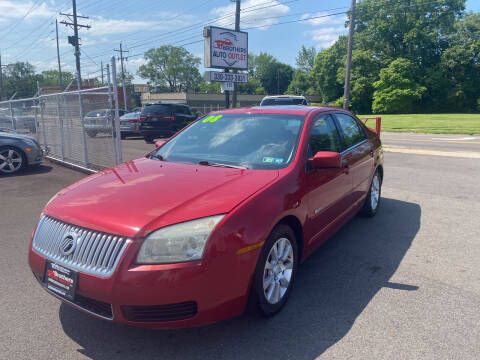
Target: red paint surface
[[140, 196]]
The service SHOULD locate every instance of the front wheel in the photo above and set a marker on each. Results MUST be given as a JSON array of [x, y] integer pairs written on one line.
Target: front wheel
[[372, 200], [91, 133], [148, 139], [275, 272], [12, 160]]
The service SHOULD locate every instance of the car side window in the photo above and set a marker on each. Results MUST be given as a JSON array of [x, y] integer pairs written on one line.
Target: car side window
[[324, 136], [352, 132]]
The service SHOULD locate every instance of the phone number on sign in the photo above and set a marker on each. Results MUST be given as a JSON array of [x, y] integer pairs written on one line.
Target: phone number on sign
[[219, 76]]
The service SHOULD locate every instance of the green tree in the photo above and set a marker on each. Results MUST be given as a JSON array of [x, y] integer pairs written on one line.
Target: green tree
[[416, 30], [20, 78], [365, 70], [300, 84], [395, 91], [306, 58], [273, 75], [51, 78], [325, 68], [460, 63], [173, 66]]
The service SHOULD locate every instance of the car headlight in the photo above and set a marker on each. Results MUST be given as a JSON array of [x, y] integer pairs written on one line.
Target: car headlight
[[178, 243]]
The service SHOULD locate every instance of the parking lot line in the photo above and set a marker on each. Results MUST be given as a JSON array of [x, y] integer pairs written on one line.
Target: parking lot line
[[461, 154]]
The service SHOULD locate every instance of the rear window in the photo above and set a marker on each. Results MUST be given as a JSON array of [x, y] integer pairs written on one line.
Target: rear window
[[283, 101], [97, 113], [160, 109]]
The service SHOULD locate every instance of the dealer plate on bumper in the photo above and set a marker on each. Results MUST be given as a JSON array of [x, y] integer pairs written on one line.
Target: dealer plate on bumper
[[60, 280]]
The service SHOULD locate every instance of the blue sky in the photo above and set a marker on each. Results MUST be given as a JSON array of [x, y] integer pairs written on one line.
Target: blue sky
[[27, 28]]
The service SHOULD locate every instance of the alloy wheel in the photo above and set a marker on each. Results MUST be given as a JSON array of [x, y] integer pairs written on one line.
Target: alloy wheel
[[375, 192], [278, 270], [10, 160]]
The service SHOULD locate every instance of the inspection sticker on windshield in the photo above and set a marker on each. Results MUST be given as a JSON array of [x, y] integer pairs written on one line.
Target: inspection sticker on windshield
[[212, 118], [272, 160]]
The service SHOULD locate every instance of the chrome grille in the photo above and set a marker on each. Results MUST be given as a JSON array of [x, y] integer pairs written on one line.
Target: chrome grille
[[96, 253]]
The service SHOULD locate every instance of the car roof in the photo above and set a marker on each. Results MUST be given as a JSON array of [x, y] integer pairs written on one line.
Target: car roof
[[280, 109], [284, 97]]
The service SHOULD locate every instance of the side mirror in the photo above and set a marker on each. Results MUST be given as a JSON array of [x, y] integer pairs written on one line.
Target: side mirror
[[326, 159], [159, 143]]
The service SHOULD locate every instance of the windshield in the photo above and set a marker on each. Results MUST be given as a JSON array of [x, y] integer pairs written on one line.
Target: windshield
[[157, 110], [127, 116], [283, 101], [253, 141]]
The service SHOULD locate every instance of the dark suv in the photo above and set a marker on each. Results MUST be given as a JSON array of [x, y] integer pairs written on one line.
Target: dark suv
[[164, 119]]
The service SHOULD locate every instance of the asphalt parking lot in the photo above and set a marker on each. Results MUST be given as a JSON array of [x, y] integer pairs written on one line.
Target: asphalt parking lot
[[403, 285]]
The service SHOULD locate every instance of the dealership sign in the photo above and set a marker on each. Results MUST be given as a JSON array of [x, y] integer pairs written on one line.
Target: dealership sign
[[225, 48], [141, 88], [225, 77]]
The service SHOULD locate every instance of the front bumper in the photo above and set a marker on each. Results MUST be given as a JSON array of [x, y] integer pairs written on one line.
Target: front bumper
[[161, 296], [34, 156]]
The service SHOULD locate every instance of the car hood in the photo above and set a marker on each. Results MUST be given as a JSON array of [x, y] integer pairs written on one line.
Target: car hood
[[17, 136], [136, 197]]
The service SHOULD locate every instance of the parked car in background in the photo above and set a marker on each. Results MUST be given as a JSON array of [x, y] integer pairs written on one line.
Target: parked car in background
[[130, 124], [22, 120], [162, 120], [100, 121], [217, 217], [283, 100], [18, 151]]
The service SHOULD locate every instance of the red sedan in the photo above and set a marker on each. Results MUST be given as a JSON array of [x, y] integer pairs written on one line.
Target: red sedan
[[216, 218]]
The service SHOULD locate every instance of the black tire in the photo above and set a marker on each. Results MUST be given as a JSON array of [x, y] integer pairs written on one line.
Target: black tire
[[369, 207], [91, 133], [148, 139], [18, 154], [123, 136], [258, 302]]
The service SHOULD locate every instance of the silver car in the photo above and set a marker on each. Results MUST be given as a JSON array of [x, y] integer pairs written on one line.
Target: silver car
[[129, 124], [18, 151]]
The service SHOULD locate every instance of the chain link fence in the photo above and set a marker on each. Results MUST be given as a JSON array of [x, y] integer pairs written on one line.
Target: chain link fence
[[77, 128]]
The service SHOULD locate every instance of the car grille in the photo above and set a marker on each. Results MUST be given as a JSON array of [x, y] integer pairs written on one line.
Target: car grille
[[96, 253], [179, 311]]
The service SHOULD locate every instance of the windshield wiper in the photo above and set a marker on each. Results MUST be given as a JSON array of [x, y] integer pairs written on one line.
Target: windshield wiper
[[215, 164], [155, 156]]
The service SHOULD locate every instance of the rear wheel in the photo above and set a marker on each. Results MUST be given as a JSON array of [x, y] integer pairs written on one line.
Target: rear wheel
[[372, 200], [12, 160], [275, 272], [91, 133], [123, 136], [148, 139]]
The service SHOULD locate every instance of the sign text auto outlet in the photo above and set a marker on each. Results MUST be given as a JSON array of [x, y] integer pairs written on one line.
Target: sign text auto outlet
[[225, 48]]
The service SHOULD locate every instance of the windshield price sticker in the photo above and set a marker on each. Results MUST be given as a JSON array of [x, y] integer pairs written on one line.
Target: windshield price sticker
[[272, 160], [212, 118]]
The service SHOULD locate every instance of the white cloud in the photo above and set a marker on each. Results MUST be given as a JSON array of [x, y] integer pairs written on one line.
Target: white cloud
[[325, 36], [256, 13], [10, 9], [102, 26]]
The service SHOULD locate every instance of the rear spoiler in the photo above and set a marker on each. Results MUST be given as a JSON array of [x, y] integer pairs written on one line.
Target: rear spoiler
[[378, 123]]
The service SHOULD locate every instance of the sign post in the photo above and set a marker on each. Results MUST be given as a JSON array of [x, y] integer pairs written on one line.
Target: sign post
[[226, 49]]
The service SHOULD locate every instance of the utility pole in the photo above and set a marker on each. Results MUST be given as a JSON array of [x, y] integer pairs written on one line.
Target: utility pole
[[237, 28], [123, 75], [346, 93], [74, 41], [101, 67], [278, 81], [60, 79]]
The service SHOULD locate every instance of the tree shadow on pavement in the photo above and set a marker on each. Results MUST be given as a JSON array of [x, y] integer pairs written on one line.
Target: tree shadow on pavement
[[332, 288]]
